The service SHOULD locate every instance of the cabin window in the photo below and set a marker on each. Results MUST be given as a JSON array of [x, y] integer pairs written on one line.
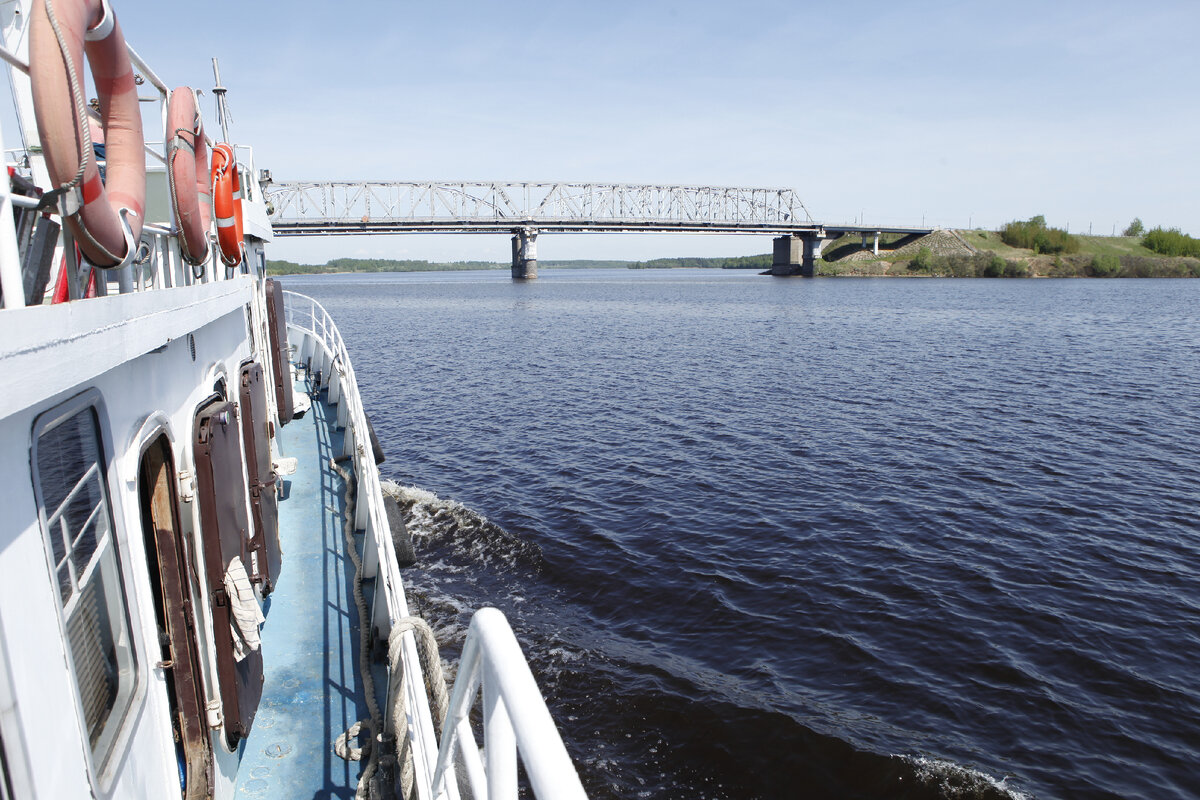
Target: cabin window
[[76, 518]]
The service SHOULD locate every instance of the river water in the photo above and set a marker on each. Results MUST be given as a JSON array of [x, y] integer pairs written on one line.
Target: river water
[[811, 538]]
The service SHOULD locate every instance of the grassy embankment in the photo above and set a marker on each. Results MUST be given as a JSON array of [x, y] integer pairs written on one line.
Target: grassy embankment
[[1023, 249], [1064, 256]]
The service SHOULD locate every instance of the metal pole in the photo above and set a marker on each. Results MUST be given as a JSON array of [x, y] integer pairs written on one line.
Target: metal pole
[[11, 280], [222, 109]]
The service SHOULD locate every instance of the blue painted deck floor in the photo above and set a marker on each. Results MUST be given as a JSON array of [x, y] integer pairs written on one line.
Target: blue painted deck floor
[[311, 693]]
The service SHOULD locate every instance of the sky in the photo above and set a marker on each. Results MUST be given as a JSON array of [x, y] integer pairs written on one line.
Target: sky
[[963, 114]]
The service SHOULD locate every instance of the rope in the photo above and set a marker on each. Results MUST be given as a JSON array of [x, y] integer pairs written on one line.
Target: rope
[[435, 687], [364, 645], [431, 664], [50, 198], [76, 95], [431, 669], [341, 746]]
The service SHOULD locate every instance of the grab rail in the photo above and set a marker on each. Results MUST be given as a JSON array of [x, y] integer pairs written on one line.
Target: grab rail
[[305, 315], [515, 717]]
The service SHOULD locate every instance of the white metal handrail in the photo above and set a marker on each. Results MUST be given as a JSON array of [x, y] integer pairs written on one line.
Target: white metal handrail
[[515, 719], [515, 714], [306, 316]]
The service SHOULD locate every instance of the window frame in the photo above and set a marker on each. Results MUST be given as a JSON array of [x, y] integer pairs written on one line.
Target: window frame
[[110, 548]]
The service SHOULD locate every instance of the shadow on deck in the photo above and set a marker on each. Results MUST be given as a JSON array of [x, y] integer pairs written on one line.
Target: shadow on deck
[[311, 691]]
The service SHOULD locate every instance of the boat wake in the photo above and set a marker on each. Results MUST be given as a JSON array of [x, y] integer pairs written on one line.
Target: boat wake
[[954, 781], [440, 524], [636, 724]]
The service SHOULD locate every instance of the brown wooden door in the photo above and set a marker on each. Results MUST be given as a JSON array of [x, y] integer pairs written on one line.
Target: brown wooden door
[[225, 533], [180, 655], [280, 364], [264, 502]]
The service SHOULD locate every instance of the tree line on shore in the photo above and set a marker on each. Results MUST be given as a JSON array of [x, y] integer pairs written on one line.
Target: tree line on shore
[[1178, 255], [988, 264], [1034, 234], [281, 267]]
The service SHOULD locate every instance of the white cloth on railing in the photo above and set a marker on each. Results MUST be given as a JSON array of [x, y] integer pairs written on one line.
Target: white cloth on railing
[[243, 606]]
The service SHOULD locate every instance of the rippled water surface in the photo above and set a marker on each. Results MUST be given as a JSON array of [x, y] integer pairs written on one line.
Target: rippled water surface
[[828, 538]]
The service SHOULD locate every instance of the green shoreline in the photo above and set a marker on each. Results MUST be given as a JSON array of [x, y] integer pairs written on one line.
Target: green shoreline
[[1098, 256]]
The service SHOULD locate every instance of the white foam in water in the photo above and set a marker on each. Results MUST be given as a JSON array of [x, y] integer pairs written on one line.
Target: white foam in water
[[959, 781], [470, 533], [425, 507]]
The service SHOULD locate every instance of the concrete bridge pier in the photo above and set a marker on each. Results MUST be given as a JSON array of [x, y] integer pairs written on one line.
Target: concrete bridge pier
[[875, 247], [524, 254], [797, 253]]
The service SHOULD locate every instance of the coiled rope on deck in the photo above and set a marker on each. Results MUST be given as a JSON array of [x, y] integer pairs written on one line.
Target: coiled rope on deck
[[431, 668]]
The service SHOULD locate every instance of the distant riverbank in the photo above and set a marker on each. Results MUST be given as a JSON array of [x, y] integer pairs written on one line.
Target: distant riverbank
[[945, 253], [339, 265]]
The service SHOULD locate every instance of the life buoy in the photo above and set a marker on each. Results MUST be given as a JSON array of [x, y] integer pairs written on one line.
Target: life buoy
[[227, 204], [187, 175], [61, 31]]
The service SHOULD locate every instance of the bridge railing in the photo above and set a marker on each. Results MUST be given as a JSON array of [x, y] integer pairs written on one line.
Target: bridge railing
[[437, 205]]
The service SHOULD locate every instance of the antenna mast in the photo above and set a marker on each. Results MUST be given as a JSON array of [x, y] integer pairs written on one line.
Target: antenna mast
[[222, 108]]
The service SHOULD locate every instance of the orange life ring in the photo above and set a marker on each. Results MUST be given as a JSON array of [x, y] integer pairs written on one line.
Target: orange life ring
[[227, 204], [187, 175], [61, 31]]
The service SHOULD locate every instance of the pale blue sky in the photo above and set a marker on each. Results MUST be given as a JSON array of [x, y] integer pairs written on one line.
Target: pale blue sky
[[955, 112]]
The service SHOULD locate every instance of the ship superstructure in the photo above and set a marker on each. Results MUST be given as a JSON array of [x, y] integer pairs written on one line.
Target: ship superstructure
[[200, 591]]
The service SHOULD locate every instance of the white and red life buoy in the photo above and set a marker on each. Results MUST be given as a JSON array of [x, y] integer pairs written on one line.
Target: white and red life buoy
[[227, 204], [188, 176], [61, 31]]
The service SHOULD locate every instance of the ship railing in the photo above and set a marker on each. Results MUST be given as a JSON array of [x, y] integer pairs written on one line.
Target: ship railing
[[515, 717], [322, 348], [515, 720]]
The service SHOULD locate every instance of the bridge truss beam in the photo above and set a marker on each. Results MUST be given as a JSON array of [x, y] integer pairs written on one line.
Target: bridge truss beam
[[340, 207]]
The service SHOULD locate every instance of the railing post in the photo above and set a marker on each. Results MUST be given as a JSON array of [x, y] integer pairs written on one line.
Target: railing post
[[500, 743]]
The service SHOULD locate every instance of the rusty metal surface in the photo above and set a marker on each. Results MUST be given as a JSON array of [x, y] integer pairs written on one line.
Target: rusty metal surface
[[224, 532], [181, 664], [280, 365], [261, 477]]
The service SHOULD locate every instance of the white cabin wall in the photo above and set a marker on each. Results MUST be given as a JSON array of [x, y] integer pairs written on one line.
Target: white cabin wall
[[164, 388], [182, 386]]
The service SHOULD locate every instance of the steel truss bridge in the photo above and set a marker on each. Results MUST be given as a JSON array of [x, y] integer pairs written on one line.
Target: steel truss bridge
[[338, 207]]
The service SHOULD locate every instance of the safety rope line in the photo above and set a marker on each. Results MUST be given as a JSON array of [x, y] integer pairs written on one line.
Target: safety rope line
[[364, 647], [394, 726], [81, 123], [435, 688], [76, 95]]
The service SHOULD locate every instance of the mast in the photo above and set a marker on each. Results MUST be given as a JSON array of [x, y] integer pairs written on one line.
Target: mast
[[222, 108]]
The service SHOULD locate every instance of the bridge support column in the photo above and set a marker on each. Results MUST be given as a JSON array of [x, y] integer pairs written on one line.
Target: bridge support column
[[875, 247], [785, 259], [797, 254], [524, 255]]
